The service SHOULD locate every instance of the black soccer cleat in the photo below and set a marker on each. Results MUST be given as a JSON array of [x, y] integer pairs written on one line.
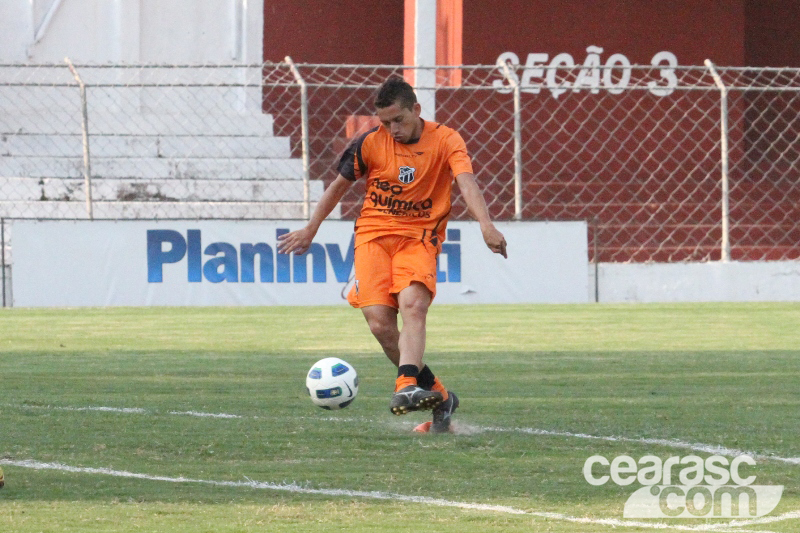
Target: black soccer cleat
[[442, 414], [414, 398]]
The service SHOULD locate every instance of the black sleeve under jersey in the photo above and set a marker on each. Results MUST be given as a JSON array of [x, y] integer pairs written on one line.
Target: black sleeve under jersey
[[351, 164]]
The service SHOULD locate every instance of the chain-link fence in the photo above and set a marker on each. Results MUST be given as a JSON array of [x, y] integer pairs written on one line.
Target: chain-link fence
[[665, 163]]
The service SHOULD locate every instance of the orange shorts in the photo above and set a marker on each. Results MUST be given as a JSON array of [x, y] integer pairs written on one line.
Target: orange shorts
[[388, 264]]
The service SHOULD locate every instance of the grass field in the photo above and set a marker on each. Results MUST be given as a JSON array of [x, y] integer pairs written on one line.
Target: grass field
[[197, 420]]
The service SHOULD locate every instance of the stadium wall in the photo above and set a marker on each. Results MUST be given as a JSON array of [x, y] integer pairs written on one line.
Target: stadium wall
[[131, 31], [112, 263], [729, 32], [743, 32], [773, 281]]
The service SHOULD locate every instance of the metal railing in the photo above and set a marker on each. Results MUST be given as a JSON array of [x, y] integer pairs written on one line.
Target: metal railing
[[668, 163]]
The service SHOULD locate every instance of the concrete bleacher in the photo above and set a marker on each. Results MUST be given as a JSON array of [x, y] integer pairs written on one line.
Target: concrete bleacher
[[237, 175], [155, 152]]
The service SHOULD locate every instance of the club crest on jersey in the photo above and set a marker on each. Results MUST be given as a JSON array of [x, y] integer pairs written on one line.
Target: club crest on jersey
[[406, 175]]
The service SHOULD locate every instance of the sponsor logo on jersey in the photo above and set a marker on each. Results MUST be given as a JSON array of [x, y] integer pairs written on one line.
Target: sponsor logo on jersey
[[393, 204], [406, 175]]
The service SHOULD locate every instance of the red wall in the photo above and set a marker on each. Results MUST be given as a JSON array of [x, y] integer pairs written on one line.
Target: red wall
[[729, 32], [693, 30], [772, 33], [344, 31]]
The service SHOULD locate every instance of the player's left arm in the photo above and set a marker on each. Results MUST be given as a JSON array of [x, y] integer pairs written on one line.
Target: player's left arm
[[476, 204]]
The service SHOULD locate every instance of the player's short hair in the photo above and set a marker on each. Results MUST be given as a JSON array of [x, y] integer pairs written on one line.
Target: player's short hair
[[395, 90]]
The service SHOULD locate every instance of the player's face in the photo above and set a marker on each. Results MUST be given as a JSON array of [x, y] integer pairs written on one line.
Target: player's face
[[403, 123]]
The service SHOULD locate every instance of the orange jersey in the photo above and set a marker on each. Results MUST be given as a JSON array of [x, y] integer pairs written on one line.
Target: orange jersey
[[408, 185]]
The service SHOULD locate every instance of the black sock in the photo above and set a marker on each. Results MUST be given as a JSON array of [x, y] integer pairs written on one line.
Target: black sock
[[410, 371], [426, 379]]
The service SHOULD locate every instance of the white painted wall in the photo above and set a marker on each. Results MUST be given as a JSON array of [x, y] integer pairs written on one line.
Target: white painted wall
[[425, 56], [131, 31], [772, 281], [220, 108], [16, 30]]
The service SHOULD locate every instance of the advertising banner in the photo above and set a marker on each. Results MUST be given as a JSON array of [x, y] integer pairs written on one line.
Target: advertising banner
[[183, 263]]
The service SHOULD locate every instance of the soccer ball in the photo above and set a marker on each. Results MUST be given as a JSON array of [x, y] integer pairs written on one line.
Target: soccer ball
[[332, 383]]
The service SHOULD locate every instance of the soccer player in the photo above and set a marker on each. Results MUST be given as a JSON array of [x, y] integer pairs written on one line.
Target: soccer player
[[409, 165]]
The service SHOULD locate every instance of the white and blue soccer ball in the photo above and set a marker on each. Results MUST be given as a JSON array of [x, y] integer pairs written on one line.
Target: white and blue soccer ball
[[332, 383]]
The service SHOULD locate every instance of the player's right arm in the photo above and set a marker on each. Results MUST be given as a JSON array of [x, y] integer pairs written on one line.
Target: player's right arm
[[352, 166], [299, 241]]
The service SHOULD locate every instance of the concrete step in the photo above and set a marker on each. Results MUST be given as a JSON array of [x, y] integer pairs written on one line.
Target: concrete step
[[134, 90], [104, 78], [105, 122], [653, 190], [183, 100], [669, 235], [765, 253], [662, 254], [544, 192], [156, 210], [132, 100], [6, 234], [665, 254], [153, 167], [38, 145], [26, 189], [674, 212], [634, 213]]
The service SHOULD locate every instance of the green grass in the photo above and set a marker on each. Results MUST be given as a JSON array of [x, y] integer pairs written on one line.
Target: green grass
[[721, 374]]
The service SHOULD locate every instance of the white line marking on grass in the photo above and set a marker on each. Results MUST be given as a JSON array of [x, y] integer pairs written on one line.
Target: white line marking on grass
[[465, 429], [379, 495], [205, 415], [671, 443], [130, 410]]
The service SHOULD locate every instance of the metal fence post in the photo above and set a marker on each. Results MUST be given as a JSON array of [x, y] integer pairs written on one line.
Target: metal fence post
[[514, 82], [87, 167], [725, 254], [3, 257], [595, 259], [305, 138]]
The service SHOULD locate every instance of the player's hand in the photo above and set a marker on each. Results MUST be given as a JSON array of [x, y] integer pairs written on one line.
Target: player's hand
[[297, 242], [494, 240]]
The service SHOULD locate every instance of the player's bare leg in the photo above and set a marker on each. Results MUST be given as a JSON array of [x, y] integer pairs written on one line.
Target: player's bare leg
[[414, 302], [382, 321]]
